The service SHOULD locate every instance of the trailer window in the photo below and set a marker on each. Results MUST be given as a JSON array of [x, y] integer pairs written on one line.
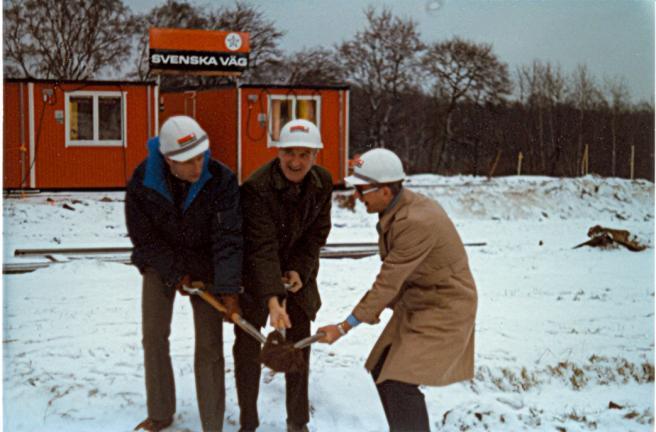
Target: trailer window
[[283, 108], [81, 109], [95, 118], [281, 113]]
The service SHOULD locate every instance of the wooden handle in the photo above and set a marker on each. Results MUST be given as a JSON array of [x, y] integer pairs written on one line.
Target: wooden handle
[[208, 297]]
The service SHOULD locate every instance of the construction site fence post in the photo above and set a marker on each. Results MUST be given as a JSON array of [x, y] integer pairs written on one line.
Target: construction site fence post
[[632, 162], [520, 156], [584, 160]]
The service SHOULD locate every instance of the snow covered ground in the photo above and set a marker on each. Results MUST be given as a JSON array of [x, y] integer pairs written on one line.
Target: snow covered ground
[[564, 337]]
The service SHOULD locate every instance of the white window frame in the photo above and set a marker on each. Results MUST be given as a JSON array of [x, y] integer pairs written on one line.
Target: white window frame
[[293, 98], [96, 141]]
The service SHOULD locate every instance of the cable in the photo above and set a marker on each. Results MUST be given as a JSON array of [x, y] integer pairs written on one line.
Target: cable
[[248, 117]]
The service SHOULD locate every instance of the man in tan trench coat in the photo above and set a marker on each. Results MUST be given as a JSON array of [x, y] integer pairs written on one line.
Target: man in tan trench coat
[[425, 279]]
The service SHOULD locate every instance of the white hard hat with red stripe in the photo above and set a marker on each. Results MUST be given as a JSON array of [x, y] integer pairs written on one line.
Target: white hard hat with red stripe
[[181, 138], [376, 166], [300, 133]]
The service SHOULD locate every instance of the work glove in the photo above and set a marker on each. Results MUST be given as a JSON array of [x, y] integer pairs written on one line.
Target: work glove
[[185, 280], [231, 303]]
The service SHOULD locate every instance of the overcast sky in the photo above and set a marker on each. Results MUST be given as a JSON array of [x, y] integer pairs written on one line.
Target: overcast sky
[[613, 37]]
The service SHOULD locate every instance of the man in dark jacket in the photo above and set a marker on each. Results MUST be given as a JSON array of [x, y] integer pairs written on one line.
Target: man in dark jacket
[[184, 219], [286, 209]]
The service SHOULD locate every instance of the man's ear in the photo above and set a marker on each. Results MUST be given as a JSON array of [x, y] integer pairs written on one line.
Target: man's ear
[[168, 160]]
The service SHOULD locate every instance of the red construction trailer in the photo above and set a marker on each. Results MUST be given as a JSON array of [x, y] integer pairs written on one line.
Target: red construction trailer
[[75, 134], [243, 122], [92, 134]]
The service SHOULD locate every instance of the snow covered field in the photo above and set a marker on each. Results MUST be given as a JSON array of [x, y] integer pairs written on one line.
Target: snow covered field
[[564, 337]]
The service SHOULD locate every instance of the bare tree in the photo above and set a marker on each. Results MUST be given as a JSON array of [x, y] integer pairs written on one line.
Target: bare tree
[[307, 67], [542, 89], [618, 98], [172, 14], [264, 37], [584, 95], [382, 61], [461, 71], [313, 66], [75, 39]]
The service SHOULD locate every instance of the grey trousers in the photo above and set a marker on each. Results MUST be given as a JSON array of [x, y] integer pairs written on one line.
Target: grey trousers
[[157, 312]]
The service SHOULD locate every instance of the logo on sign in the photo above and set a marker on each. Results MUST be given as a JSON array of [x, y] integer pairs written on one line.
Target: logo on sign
[[233, 41]]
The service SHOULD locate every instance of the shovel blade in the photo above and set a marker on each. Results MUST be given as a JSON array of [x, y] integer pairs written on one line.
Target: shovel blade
[[309, 340], [250, 329]]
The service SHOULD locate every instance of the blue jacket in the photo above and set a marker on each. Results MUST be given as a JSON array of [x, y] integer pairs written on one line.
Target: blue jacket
[[203, 239]]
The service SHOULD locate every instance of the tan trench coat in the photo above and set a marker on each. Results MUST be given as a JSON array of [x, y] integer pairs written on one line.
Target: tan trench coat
[[425, 278]]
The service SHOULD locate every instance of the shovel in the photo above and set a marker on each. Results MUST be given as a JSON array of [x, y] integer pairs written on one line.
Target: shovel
[[236, 318], [277, 354], [303, 343]]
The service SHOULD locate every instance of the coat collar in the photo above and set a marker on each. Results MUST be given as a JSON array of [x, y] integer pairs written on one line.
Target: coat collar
[[155, 175], [387, 217]]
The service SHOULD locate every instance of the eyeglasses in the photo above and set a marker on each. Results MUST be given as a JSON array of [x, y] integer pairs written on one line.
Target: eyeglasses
[[363, 192]]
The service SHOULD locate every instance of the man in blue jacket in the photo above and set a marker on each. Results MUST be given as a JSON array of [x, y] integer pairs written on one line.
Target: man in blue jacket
[[183, 217]]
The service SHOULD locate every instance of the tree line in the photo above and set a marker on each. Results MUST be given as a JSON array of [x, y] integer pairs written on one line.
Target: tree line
[[449, 106]]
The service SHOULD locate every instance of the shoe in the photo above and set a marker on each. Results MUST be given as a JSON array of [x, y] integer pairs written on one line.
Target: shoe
[[246, 430], [152, 425], [291, 427]]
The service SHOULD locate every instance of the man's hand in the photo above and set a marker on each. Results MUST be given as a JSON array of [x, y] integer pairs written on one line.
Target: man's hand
[[186, 280], [292, 280], [332, 334], [231, 303], [277, 314]]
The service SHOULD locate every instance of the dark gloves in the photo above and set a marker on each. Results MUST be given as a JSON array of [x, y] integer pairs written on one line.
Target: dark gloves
[[231, 303], [185, 281]]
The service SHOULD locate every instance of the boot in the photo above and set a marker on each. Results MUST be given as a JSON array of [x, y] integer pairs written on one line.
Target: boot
[[152, 425]]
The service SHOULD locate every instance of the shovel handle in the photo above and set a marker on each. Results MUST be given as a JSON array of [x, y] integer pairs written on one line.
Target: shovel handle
[[236, 318], [208, 297]]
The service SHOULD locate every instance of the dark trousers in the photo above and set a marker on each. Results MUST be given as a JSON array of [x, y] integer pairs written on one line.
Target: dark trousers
[[246, 353], [404, 404], [157, 311]]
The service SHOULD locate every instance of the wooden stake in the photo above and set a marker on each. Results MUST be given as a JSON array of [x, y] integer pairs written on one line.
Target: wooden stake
[[520, 156], [632, 162], [494, 164], [584, 161]]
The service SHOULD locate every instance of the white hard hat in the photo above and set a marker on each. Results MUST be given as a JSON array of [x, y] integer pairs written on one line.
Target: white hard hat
[[300, 133], [376, 166], [181, 138]]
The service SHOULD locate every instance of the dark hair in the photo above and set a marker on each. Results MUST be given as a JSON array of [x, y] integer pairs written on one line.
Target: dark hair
[[394, 187]]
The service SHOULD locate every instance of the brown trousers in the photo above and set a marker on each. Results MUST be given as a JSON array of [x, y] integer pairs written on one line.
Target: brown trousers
[[246, 352], [157, 312]]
